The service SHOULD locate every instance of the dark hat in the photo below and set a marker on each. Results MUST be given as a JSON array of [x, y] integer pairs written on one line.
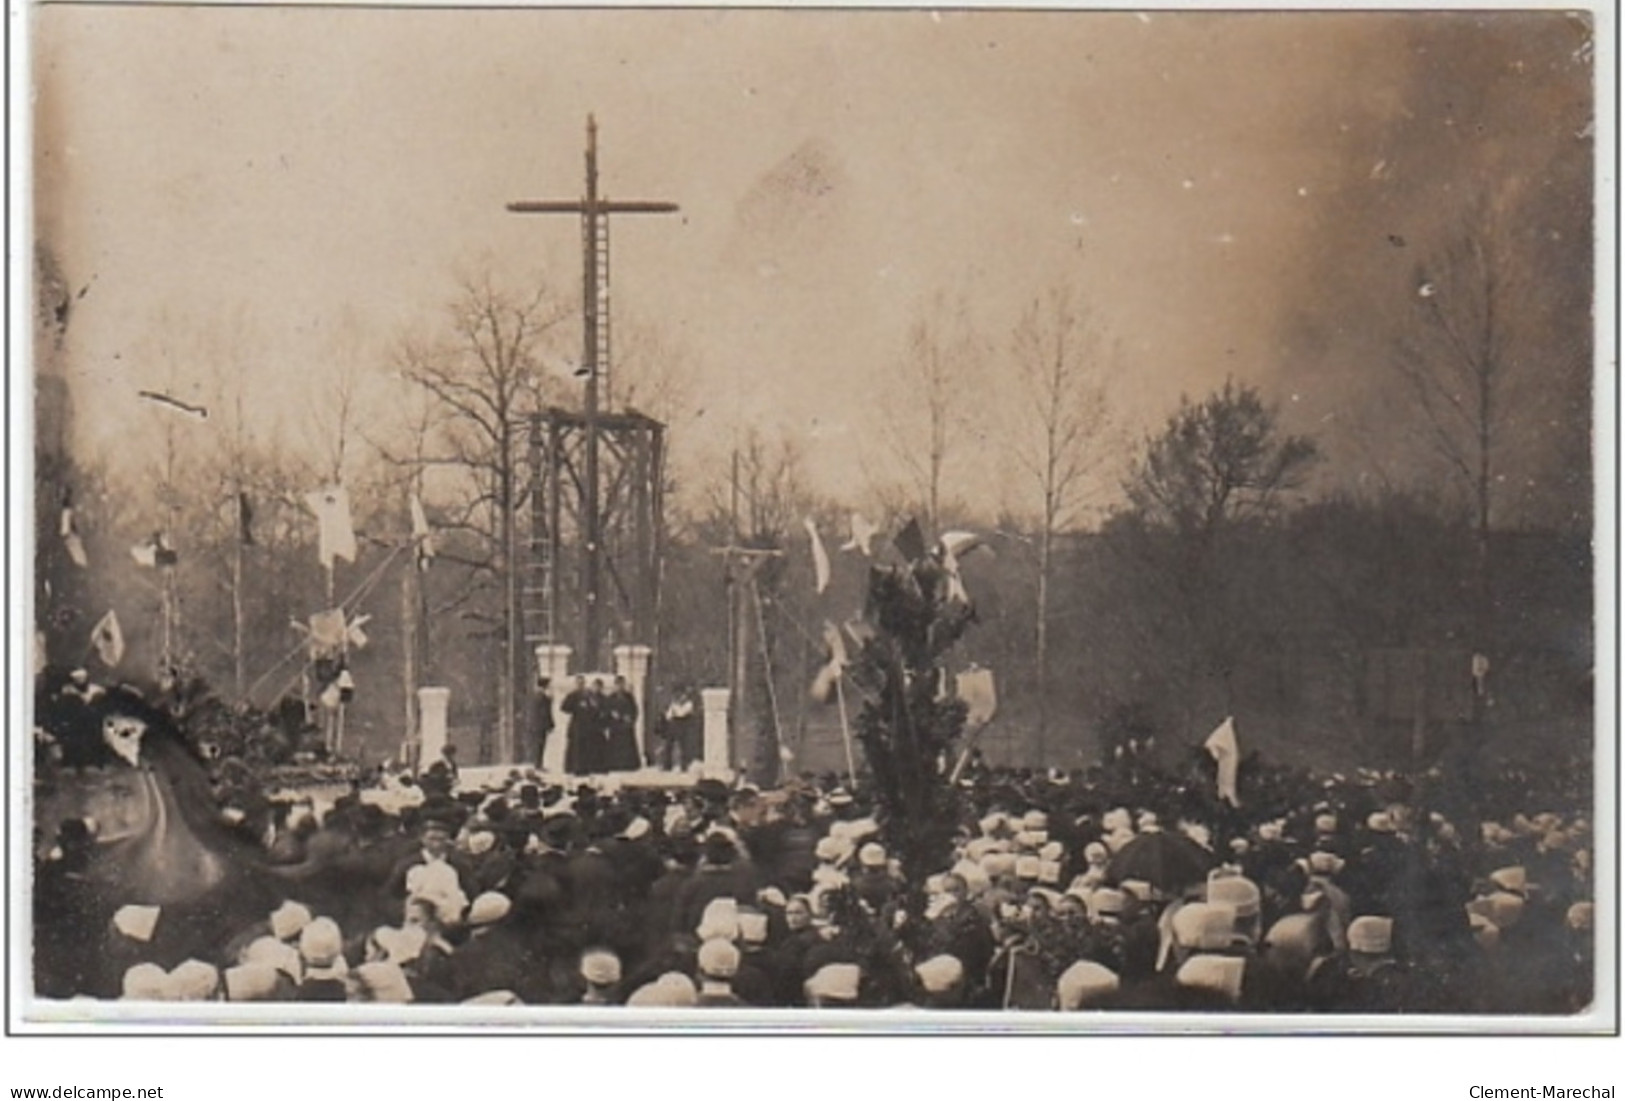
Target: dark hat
[[370, 818], [557, 831], [682, 848], [439, 812], [719, 850], [611, 821], [514, 834]]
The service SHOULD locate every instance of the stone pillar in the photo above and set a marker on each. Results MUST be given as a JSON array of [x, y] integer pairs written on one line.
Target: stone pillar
[[433, 703], [716, 757], [553, 662], [632, 662]]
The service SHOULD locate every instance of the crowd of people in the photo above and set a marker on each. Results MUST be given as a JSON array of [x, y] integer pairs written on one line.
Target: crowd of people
[[1127, 886]]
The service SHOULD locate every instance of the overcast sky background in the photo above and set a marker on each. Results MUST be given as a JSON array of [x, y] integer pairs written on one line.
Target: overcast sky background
[[1225, 191]]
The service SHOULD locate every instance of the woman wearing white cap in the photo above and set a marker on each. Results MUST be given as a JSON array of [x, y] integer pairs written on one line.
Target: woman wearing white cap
[[600, 973], [940, 981], [834, 986], [873, 882], [717, 963]]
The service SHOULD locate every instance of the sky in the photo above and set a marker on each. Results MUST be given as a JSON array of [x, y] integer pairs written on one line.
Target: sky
[[1244, 195]]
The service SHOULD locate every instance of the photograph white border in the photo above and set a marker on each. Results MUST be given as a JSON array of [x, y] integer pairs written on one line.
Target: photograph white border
[[28, 1016]]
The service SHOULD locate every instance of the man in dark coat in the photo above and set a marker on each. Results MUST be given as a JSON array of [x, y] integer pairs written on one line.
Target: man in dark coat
[[794, 854], [595, 891], [721, 874], [787, 962], [540, 885], [660, 908], [959, 930], [495, 955], [636, 860], [620, 729], [435, 839], [583, 754]]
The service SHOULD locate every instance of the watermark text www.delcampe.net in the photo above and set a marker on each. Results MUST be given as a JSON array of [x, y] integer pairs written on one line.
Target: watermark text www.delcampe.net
[[89, 1093], [1541, 1093]]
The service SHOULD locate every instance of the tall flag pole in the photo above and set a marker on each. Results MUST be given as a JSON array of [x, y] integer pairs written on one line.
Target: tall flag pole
[[1221, 744], [846, 734]]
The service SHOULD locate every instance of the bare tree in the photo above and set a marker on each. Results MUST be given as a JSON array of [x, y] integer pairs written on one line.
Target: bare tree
[[484, 379], [234, 447], [927, 398], [772, 488], [652, 375], [176, 499], [1463, 362], [331, 431], [1059, 441]]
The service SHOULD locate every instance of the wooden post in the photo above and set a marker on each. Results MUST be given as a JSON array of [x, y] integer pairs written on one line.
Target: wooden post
[[846, 733], [777, 767], [409, 662], [740, 709], [331, 719], [1419, 715], [238, 658]]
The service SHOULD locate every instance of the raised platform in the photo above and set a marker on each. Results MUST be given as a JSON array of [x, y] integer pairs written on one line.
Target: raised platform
[[481, 776]]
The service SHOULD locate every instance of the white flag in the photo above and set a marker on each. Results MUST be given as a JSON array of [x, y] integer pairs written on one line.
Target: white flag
[[353, 634], [975, 687], [335, 536], [863, 534], [951, 547], [820, 556], [108, 639], [1222, 745]]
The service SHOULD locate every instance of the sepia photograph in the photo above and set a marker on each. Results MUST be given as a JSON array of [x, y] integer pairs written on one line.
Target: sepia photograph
[[1069, 520]]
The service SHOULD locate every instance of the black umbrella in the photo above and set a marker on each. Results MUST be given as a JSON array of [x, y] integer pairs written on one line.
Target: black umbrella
[[1169, 862]]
